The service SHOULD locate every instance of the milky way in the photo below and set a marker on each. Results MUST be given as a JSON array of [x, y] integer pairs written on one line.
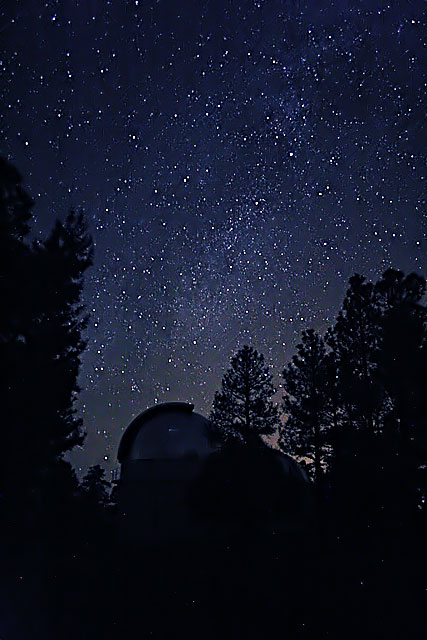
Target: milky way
[[236, 162]]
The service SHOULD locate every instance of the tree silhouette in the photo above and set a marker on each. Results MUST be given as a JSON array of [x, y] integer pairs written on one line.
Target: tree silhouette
[[305, 401], [61, 261], [15, 214], [243, 408], [333, 392], [95, 486], [15, 277], [402, 350], [354, 340], [40, 342]]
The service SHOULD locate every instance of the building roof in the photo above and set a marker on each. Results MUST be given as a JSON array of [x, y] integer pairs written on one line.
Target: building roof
[[133, 429], [172, 429], [291, 466]]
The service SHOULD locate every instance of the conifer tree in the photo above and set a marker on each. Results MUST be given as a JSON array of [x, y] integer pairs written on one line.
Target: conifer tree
[[333, 392], [59, 324], [244, 408], [95, 486], [305, 401], [402, 350], [15, 273], [16, 268], [40, 340], [354, 340], [15, 214]]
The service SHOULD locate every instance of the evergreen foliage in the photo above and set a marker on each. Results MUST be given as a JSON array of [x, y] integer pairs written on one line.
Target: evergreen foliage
[[61, 261], [244, 408], [354, 341], [369, 378], [305, 400], [95, 486], [40, 341], [15, 214], [401, 357], [15, 276]]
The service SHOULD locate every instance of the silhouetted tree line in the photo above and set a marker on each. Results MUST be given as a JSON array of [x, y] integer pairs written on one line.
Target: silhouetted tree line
[[353, 413], [364, 380], [40, 343], [354, 408], [47, 515]]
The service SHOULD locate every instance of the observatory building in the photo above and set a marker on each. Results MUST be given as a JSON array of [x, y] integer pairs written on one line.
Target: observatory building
[[164, 454], [161, 454]]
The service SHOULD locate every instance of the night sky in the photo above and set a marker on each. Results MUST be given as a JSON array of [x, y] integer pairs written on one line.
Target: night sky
[[237, 163]]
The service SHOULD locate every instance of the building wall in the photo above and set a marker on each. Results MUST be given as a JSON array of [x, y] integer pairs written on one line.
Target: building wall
[[153, 499], [168, 453], [171, 434]]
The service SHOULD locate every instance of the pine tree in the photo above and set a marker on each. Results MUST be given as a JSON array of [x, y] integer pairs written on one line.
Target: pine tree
[[244, 408], [402, 350], [332, 389], [95, 486], [58, 329], [386, 456], [16, 268], [15, 265], [15, 214], [354, 340], [305, 401], [95, 505], [40, 341]]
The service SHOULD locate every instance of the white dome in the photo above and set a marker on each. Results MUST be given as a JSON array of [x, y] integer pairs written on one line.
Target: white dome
[[167, 431]]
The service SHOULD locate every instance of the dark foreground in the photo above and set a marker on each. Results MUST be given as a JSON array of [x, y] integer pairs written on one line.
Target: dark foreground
[[347, 578]]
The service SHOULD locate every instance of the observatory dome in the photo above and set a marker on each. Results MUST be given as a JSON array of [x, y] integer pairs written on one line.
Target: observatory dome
[[171, 463], [167, 431]]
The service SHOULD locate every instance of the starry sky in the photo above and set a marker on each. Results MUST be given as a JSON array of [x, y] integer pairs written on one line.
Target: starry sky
[[237, 162]]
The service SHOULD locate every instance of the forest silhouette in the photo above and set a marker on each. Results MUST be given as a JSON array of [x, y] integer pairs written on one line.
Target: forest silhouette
[[353, 414]]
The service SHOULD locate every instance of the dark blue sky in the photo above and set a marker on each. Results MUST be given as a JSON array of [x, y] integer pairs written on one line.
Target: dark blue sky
[[237, 162]]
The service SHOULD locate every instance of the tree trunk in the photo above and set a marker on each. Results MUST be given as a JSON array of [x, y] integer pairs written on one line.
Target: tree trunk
[[366, 377], [247, 399], [317, 453]]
